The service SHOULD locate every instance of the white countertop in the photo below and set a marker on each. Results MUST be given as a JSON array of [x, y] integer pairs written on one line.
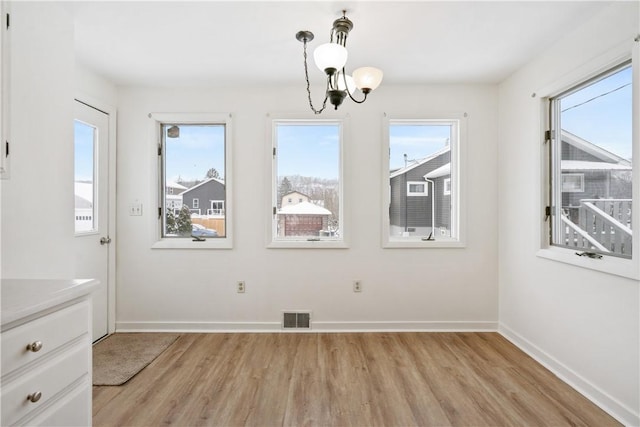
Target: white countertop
[[23, 297]]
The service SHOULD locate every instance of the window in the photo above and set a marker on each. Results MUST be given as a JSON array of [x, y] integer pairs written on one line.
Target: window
[[417, 189], [591, 165], [572, 182], [217, 208], [85, 138], [446, 191], [423, 157], [307, 160], [194, 166]]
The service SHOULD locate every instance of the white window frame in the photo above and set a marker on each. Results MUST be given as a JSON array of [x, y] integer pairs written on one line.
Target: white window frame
[[155, 220], [624, 267], [195, 204], [339, 242], [458, 142], [423, 193]]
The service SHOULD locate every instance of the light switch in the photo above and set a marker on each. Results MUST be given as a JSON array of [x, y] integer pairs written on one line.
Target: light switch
[[135, 209]]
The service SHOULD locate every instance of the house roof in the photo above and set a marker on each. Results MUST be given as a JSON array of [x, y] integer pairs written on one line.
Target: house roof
[[84, 190], [443, 170], [304, 208], [581, 165], [419, 162], [295, 192], [594, 150], [173, 184], [203, 183]]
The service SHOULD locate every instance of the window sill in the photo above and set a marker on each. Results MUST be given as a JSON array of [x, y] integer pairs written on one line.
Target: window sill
[[218, 243], [607, 264], [418, 243], [307, 244]]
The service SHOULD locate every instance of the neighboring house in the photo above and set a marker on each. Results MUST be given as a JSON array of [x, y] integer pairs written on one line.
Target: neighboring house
[[293, 198], [303, 219], [206, 198], [421, 196], [173, 197], [596, 191], [590, 172]]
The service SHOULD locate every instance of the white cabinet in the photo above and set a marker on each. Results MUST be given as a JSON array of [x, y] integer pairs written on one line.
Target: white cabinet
[[46, 352]]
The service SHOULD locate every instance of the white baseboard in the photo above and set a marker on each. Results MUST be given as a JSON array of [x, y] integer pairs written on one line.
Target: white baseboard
[[613, 407], [185, 327]]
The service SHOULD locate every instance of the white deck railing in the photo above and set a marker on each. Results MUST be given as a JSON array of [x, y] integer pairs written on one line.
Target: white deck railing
[[603, 224]]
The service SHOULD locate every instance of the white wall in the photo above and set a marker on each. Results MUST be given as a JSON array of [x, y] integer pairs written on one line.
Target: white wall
[[581, 323], [433, 288], [94, 89], [37, 202]]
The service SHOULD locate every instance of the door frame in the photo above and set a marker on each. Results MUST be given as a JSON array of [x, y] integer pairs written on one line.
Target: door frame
[[110, 111]]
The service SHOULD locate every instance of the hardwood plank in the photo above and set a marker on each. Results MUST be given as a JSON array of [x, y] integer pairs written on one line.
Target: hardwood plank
[[347, 379]]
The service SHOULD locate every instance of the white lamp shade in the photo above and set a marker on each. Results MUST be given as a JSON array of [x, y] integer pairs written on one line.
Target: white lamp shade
[[351, 85], [367, 78], [330, 55]]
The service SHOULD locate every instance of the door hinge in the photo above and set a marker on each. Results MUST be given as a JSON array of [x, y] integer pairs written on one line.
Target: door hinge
[[8, 21], [274, 152], [547, 212], [274, 211], [6, 148], [159, 150], [159, 212]]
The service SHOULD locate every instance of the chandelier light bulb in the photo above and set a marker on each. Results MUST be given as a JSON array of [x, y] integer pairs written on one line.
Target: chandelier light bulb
[[367, 78], [330, 56]]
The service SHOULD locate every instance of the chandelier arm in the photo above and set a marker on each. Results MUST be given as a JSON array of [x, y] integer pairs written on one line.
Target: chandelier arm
[[306, 76], [344, 77]]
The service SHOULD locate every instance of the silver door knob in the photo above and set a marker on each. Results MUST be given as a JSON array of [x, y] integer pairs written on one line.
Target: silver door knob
[[105, 240]]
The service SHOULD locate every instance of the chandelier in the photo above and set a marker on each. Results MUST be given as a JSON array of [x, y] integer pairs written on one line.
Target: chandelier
[[331, 58]]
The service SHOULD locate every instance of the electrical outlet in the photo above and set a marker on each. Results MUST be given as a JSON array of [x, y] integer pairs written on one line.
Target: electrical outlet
[[357, 286], [241, 287]]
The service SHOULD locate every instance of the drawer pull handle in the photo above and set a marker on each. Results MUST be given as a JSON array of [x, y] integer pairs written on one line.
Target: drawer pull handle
[[34, 346], [34, 397]]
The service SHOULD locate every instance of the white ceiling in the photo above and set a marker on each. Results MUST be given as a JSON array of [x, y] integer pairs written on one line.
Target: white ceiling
[[215, 43]]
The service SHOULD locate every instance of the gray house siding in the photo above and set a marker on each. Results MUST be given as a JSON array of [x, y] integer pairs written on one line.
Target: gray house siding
[[409, 212], [574, 153], [205, 192]]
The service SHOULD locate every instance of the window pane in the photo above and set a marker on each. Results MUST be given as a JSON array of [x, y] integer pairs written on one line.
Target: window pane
[[592, 165], [308, 181], [84, 182], [420, 162], [194, 180]]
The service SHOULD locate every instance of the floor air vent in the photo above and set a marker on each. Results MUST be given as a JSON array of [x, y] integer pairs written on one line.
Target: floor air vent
[[296, 320]]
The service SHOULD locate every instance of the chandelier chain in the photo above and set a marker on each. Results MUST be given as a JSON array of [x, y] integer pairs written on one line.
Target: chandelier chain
[[306, 76]]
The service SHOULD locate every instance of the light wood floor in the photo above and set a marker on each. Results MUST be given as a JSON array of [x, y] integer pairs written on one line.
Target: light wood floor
[[368, 379]]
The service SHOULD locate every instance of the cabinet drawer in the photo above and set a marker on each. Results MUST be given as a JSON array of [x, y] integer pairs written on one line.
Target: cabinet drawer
[[74, 409], [52, 330], [48, 379]]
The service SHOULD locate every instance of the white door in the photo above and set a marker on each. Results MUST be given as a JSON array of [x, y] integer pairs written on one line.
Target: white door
[[91, 184]]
